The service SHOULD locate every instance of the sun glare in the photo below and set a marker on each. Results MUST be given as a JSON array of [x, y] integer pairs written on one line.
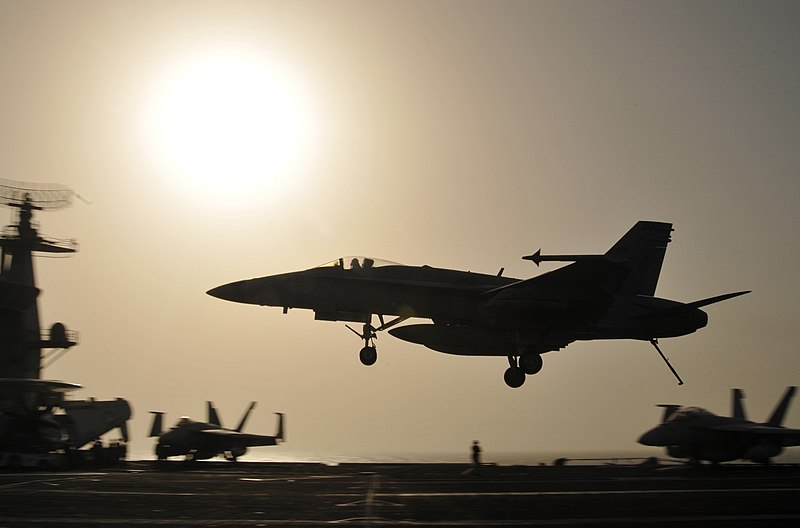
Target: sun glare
[[228, 125]]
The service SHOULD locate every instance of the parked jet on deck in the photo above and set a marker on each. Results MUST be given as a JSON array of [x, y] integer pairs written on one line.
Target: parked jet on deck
[[609, 296], [697, 434], [202, 440]]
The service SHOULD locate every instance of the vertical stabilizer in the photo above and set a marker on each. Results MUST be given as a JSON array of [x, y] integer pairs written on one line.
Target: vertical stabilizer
[[280, 436], [245, 417], [213, 417], [642, 248], [780, 411], [669, 410], [155, 429], [737, 404]]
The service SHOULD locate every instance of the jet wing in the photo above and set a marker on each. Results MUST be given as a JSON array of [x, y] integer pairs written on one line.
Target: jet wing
[[790, 437], [587, 287], [227, 437]]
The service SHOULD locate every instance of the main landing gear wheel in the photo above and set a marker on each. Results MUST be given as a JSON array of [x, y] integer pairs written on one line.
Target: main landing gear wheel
[[514, 377], [531, 363], [368, 355], [520, 367]]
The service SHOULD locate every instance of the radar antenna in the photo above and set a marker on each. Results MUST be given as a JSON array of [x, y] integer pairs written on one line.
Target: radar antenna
[[41, 197]]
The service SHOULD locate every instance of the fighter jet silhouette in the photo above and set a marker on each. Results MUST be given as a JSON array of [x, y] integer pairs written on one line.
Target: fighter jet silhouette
[[202, 440], [697, 434], [608, 296]]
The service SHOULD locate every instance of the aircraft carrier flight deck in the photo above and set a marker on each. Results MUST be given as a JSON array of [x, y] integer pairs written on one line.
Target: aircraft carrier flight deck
[[293, 494]]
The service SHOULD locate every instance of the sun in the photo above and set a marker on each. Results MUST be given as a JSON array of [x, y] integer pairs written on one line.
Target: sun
[[228, 124]]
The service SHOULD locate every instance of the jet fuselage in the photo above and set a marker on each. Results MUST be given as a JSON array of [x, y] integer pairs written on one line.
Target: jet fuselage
[[608, 296], [704, 438], [697, 434], [468, 318], [336, 293]]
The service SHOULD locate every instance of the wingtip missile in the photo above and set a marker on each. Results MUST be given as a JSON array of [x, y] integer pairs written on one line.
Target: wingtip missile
[[536, 257]]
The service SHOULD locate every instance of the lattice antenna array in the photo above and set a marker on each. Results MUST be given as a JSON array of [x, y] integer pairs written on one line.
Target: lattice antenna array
[[42, 196]]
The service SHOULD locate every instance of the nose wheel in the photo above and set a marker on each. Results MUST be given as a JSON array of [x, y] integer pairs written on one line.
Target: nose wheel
[[369, 353]]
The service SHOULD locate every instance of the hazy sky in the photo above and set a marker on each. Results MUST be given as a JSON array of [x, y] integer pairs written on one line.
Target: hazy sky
[[218, 141]]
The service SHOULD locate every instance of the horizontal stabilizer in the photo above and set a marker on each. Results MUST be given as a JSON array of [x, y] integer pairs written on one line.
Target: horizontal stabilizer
[[714, 300], [679, 308]]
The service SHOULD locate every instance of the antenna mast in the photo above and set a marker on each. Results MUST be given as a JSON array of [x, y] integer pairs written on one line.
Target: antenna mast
[[42, 197]]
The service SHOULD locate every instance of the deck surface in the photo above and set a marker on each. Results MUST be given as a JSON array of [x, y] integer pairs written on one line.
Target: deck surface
[[280, 494]]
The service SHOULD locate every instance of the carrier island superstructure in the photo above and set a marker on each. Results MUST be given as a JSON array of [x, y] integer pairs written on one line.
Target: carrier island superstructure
[[39, 424]]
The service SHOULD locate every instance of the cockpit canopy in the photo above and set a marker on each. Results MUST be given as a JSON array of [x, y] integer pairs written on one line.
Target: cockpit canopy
[[184, 421], [688, 413], [354, 262]]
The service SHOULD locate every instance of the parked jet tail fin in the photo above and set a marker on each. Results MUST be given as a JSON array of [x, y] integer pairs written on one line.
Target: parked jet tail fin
[[780, 410], [155, 429], [213, 417], [642, 248], [737, 404], [669, 410], [245, 417], [281, 434]]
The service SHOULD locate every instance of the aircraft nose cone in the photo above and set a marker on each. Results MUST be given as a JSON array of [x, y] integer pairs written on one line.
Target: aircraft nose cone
[[651, 438], [264, 291], [234, 292], [226, 292], [663, 435]]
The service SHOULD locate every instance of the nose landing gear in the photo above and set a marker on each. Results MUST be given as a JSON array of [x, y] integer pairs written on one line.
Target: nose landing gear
[[369, 353]]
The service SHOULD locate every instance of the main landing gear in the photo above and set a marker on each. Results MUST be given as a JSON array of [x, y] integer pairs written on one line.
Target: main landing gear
[[520, 367], [369, 354]]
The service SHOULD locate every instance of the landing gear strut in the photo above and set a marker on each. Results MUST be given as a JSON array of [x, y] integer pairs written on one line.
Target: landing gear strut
[[369, 354]]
